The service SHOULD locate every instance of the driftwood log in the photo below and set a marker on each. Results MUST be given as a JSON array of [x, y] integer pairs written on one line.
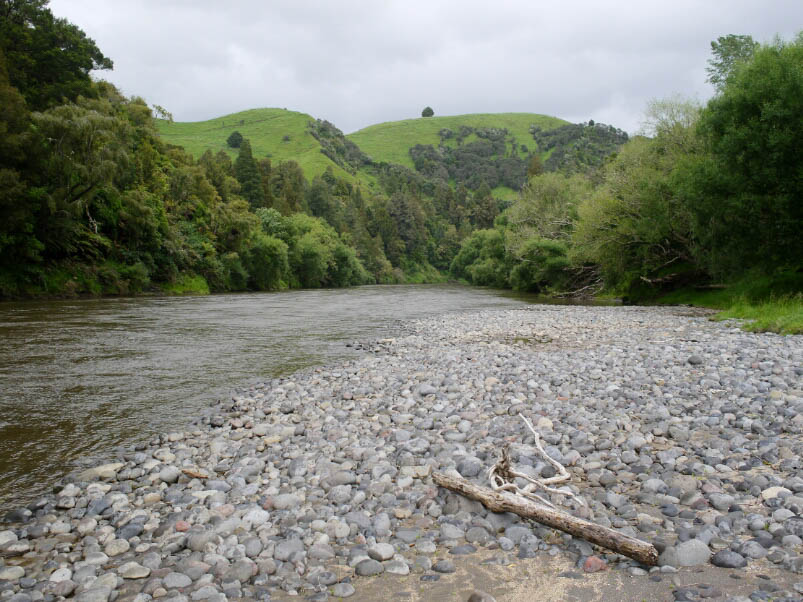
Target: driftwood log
[[631, 547]]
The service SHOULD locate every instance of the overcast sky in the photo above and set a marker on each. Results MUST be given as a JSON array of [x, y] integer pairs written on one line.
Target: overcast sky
[[357, 63]]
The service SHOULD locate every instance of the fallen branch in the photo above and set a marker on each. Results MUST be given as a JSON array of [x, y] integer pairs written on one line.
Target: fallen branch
[[501, 474], [501, 501]]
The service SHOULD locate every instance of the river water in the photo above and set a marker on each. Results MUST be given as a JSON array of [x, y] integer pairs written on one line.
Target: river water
[[80, 377]]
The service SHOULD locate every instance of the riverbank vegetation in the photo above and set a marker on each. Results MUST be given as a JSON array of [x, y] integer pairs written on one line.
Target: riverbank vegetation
[[709, 199], [99, 194]]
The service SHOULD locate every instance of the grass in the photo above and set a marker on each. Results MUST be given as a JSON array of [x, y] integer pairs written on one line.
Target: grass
[[282, 135], [767, 302], [187, 284], [276, 133], [391, 141], [783, 315]]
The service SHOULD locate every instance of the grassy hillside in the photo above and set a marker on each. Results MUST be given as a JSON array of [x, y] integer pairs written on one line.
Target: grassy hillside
[[391, 141], [283, 135], [275, 133]]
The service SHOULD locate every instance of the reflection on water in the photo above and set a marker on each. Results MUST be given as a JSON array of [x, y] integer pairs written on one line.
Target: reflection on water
[[78, 378]]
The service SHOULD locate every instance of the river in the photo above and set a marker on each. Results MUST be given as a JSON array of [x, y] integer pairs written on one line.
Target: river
[[80, 377]]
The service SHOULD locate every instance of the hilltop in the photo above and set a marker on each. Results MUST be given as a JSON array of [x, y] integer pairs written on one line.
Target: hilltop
[[491, 148], [391, 141], [276, 133]]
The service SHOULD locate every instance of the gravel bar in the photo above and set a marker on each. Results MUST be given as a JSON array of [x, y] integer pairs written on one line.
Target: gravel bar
[[678, 430]]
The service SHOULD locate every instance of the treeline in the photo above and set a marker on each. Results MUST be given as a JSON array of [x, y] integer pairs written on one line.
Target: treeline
[[495, 158], [713, 193], [93, 201]]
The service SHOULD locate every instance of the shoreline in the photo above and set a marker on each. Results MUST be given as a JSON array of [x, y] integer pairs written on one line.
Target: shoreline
[[311, 482]]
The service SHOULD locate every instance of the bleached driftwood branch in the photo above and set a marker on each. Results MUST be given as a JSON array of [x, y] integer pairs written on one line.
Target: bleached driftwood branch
[[502, 501], [501, 475], [506, 496]]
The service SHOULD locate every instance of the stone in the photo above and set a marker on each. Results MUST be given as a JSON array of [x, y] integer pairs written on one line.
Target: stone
[[381, 551], [773, 492], [480, 596], [286, 501], [286, 549], [397, 567], [105, 472], [729, 560], [100, 593], [444, 566], [169, 474], [368, 568], [11, 573], [691, 553], [133, 570], [59, 575], [116, 547], [594, 564], [342, 590], [176, 580]]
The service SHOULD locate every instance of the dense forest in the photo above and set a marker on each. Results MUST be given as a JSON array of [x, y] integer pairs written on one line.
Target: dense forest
[[94, 201], [712, 193]]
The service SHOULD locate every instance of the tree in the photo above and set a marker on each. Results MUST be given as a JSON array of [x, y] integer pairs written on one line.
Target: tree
[[49, 59], [234, 140], [247, 173], [728, 52], [427, 112], [745, 195], [535, 167]]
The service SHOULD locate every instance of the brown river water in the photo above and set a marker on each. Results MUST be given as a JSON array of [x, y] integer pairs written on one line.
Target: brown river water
[[80, 377]]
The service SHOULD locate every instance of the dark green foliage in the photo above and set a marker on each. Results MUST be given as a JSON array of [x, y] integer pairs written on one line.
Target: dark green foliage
[[247, 173], [578, 147], [427, 112], [471, 164], [234, 140], [49, 59], [745, 194], [337, 147]]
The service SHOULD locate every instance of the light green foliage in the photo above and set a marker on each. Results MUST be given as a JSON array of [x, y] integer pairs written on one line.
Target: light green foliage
[[266, 262], [782, 315], [482, 259], [634, 223], [542, 264], [547, 207], [728, 53]]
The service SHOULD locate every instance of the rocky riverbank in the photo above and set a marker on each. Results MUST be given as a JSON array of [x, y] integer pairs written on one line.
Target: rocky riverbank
[[678, 430]]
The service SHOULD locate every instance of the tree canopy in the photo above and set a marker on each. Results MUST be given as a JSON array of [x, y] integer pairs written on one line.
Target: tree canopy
[[49, 59]]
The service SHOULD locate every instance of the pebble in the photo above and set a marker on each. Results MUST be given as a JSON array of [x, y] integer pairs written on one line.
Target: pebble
[[674, 429]]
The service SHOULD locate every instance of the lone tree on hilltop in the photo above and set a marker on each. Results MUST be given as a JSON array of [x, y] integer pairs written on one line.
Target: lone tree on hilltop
[[235, 140], [427, 112]]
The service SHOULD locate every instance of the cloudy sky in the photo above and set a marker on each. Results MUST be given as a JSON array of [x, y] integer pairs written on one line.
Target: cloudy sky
[[359, 62]]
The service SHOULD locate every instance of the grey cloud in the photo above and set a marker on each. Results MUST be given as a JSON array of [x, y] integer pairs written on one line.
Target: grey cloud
[[357, 63]]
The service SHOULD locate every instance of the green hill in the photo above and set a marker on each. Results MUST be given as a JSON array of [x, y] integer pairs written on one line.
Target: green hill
[[392, 141], [469, 149], [275, 133]]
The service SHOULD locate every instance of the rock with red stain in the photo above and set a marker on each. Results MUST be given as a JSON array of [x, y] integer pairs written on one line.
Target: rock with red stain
[[182, 525], [594, 564]]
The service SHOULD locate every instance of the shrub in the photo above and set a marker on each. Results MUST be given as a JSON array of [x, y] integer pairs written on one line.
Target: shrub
[[234, 140]]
